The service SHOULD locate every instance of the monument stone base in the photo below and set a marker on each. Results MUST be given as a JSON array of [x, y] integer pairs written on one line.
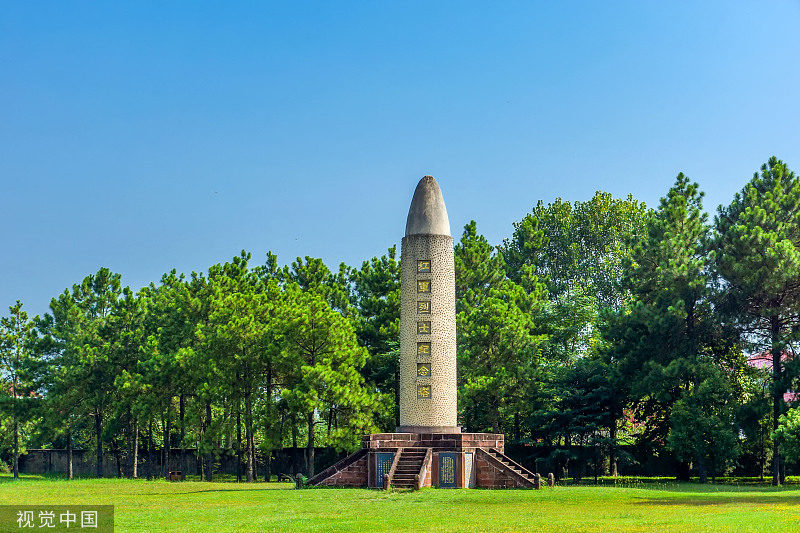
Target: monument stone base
[[413, 460]]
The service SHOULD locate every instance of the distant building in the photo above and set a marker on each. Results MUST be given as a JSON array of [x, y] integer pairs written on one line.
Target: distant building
[[763, 361]]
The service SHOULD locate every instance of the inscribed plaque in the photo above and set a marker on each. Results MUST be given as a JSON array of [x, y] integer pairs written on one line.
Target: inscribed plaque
[[448, 471], [469, 467], [423, 392], [383, 463], [423, 267], [424, 307], [424, 327], [423, 370]]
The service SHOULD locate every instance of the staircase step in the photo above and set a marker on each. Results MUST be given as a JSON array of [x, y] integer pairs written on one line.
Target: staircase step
[[520, 471], [408, 466]]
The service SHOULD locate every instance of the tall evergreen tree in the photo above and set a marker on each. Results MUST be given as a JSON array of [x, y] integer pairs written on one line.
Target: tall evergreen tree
[[498, 340], [663, 346], [81, 332], [17, 371], [243, 336], [757, 250], [322, 365], [376, 296]]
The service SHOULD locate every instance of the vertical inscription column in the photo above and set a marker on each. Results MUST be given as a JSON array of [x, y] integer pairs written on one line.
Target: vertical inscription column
[[424, 388]]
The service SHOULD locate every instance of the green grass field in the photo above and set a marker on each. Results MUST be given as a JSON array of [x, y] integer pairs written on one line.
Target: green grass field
[[196, 506]]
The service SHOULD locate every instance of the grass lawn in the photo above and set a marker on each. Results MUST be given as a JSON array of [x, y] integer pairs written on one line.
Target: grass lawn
[[197, 506]]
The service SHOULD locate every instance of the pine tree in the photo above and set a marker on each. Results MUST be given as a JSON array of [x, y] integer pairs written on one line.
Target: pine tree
[[757, 250], [499, 344], [670, 341], [17, 370]]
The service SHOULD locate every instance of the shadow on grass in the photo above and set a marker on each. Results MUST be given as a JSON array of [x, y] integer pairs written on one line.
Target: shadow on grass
[[8, 478], [723, 500], [706, 488], [254, 489]]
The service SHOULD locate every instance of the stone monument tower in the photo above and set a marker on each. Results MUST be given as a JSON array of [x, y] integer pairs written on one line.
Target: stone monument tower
[[428, 393], [428, 448]]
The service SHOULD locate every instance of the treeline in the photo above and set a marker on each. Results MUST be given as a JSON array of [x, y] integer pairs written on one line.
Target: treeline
[[600, 325]]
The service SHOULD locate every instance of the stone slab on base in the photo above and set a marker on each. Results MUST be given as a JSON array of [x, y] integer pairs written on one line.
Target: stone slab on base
[[456, 442]]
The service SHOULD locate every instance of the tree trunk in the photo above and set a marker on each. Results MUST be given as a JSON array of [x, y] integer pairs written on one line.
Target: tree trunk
[[198, 463], [684, 473], [238, 442], [69, 453], [16, 446], [183, 434], [136, 448], [310, 449], [118, 459], [98, 431], [210, 454], [150, 449], [701, 470], [270, 423], [166, 448], [777, 398], [612, 456], [294, 446], [783, 471], [248, 423]]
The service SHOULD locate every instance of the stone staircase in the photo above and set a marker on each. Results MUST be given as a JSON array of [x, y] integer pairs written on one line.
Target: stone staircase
[[525, 476], [408, 467]]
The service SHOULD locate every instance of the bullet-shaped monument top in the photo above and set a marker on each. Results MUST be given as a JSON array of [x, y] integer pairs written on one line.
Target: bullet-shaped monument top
[[427, 215], [428, 396]]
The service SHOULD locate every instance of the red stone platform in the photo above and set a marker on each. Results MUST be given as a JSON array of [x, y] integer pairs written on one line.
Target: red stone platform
[[416, 460]]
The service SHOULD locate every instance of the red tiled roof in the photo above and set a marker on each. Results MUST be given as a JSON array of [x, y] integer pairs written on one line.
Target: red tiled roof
[[763, 361]]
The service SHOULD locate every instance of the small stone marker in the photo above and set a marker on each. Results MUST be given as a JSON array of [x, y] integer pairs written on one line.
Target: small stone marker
[[551, 480], [537, 481]]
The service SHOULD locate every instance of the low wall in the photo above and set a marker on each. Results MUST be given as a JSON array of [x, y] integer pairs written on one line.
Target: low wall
[[56, 461]]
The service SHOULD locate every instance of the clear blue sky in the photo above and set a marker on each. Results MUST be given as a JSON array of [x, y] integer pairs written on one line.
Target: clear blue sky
[[146, 136]]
